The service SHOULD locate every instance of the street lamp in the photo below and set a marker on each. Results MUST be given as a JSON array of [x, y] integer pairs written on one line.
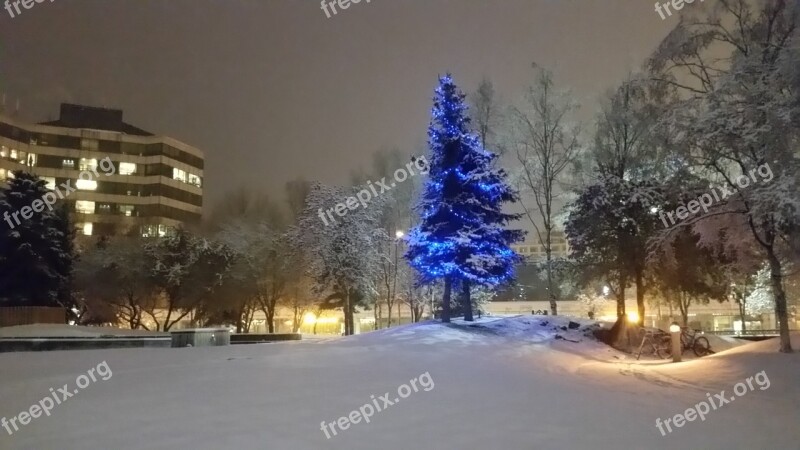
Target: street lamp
[[675, 334], [399, 235]]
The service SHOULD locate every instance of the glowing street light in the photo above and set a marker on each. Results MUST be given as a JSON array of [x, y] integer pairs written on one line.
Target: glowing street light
[[399, 234], [675, 334]]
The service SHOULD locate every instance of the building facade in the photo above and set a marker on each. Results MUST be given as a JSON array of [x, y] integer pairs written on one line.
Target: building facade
[[534, 252], [152, 184]]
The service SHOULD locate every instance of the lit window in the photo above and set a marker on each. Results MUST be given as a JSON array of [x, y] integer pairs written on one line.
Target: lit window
[[32, 160], [126, 210], [23, 157], [149, 230], [84, 207], [127, 168], [14, 153], [85, 228], [103, 208], [2, 174], [50, 183], [3, 151], [68, 163], [87, 164], [90, 144], [195, 180], [178, 174], [162, 230], [86, 185]]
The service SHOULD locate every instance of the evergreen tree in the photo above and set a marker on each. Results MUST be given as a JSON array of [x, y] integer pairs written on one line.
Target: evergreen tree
[[462, 237], [36, 253]]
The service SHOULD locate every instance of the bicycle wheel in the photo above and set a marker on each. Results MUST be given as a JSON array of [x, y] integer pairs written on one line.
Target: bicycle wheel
[[701, 346], [664, 347]]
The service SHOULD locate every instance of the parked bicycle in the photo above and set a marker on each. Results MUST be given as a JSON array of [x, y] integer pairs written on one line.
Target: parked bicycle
[[654, 342], [659, 343], [691, 340]]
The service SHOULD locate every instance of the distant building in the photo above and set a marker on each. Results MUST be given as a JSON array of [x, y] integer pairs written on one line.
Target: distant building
[[535, 252], [156, 182], [529, 284]]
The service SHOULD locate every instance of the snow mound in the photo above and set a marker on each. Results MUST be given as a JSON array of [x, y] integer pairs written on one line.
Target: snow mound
[[486, 330], [537, 329], [428, 333], [766, 346]]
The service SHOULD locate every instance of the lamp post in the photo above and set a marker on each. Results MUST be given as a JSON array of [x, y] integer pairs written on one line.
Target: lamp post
[[399, 235], [675, 334]]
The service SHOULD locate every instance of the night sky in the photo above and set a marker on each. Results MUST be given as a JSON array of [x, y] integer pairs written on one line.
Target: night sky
[[271, 90]]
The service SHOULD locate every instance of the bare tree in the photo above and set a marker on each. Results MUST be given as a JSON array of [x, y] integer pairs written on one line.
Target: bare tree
[[486, 115], [249, 205], [546, 146]]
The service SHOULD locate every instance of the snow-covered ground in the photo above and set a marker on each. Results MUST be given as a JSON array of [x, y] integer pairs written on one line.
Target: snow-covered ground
[[505, 383]]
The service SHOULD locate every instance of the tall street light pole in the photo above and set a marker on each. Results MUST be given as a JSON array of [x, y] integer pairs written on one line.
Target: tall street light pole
[[399, 236]]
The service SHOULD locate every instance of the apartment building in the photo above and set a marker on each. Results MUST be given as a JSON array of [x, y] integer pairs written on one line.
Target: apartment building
[[156, 183], [534, 251]]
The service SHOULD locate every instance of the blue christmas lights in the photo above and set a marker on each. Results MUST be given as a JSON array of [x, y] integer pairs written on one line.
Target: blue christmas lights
[[461, 234]]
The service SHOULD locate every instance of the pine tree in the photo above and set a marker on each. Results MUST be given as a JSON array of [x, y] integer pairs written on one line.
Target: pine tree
[[36, 253], [462, 238]]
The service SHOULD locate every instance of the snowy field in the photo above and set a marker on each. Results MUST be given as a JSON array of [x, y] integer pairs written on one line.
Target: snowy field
[[505, 383]]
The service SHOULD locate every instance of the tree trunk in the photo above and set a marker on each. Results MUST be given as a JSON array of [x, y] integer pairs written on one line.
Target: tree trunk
[[621, 299], [417, 313], [389, 303], [640, 297], [249, 323], [448, 283], [658, 310], [270, 314], [348, 314], [683, 304], [780, 301], [466, 301], [168, 325], [239, 320], [351, 308], [551, 292], [742, 314], [297, 318], [671, 311]]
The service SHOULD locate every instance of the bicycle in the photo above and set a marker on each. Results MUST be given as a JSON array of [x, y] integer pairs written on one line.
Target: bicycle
[[699, 345], [658, 344], [690, 341]]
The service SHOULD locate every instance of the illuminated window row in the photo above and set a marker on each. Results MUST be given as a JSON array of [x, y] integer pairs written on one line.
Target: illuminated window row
[[160, 230], [124, 168], [24, 158], [185, 177], [90, 207]]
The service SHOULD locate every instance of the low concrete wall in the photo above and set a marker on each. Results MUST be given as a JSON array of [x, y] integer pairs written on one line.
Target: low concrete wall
[[201, 337], [262, 338], [34, 344]]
